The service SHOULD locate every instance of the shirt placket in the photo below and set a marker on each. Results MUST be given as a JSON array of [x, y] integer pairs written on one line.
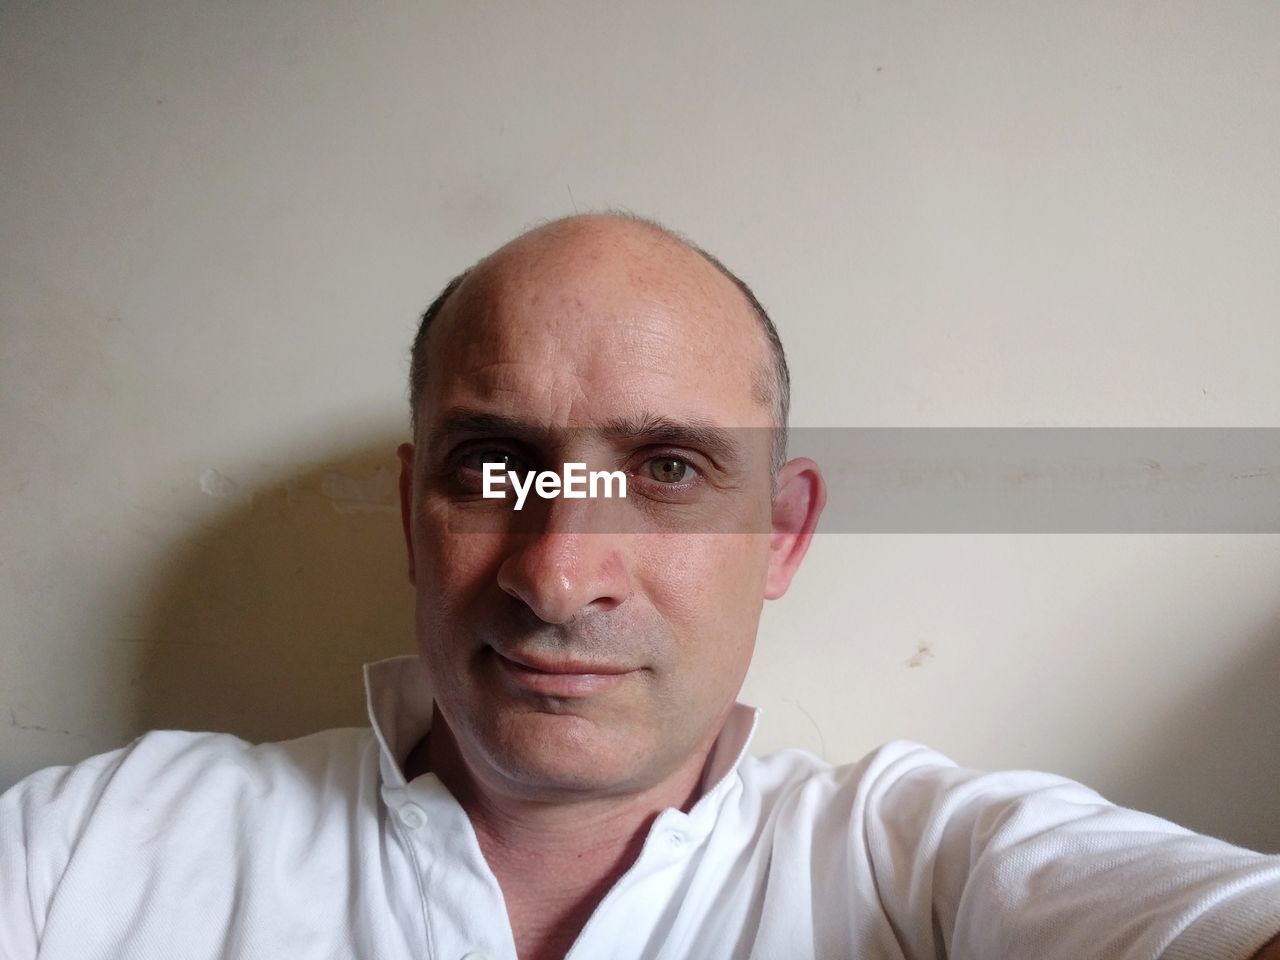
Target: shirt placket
[[463, 909]]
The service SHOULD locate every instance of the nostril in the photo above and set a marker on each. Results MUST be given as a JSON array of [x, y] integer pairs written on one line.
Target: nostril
[[549, 594], [558, 575]]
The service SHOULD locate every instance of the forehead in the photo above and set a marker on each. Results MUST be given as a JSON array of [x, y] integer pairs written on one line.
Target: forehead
[[576, 327]]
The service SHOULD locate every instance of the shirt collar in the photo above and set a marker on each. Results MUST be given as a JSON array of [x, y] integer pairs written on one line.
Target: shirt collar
[[400, 702], [399, 699]]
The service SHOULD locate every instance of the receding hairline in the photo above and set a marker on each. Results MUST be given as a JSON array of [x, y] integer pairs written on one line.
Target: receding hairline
[[771, 382]]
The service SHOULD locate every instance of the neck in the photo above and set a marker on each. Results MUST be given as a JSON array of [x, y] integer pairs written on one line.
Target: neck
[[554, 861]]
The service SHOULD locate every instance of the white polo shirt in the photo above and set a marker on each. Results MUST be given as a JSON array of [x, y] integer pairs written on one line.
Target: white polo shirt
[[189, 846]]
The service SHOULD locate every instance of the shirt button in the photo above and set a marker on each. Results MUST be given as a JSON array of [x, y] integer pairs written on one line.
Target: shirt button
[[412, 816], [676, 838], [475, 955]]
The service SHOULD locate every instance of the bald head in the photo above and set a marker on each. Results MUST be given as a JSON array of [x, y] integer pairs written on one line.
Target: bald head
[[623, 250]]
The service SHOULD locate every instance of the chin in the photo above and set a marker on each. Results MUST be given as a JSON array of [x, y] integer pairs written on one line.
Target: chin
[[547, 753]]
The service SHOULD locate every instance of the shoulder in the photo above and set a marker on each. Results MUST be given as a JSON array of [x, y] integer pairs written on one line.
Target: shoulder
[[176, 774], [907, 790], [794, 774], [174, 815], [172, 758], [190, 808]]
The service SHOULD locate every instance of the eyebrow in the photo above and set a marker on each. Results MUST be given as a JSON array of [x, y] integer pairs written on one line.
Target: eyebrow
[[716, 442], [481, 423]]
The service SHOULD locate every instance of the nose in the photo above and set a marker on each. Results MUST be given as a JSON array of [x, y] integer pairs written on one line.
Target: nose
[[558, 572]]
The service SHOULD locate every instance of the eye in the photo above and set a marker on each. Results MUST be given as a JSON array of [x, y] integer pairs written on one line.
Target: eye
[[505, 459], [669, 469], [466, 469]]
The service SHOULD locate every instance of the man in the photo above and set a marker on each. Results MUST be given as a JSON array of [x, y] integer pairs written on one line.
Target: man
[[562, 769]]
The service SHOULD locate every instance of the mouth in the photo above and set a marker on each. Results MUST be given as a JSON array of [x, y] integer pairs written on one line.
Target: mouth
[[560, 677]]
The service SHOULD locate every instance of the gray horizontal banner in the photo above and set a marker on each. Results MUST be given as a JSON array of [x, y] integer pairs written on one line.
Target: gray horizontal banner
[[902, 480], [1047, 480]]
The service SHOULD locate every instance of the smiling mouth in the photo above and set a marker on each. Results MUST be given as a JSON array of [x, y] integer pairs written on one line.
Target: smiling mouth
[[560, 678]]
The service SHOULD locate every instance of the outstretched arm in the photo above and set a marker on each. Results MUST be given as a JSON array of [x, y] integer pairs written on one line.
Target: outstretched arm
[[1021, 864]]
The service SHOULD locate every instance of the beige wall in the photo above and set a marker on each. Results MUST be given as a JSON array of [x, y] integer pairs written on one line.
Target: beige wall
[[220, 220]]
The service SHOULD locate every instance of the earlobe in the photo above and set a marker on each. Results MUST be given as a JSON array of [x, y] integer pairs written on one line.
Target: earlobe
[[405, 453], [802, 493]]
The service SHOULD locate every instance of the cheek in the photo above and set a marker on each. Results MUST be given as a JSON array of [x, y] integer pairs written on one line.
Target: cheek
[[452, 565], [709, 588]]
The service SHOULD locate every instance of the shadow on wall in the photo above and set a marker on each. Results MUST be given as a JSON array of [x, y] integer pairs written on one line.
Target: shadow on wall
[[1212, 762], [259, 625]]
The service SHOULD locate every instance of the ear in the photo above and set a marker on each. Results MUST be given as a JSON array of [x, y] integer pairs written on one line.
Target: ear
[[802, 493], [405, 453]]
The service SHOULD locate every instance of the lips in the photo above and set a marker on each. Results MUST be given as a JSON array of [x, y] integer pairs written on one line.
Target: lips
[[559, 677]]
